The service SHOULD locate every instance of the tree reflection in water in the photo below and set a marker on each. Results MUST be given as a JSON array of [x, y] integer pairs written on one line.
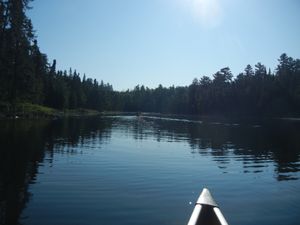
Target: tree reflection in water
[[25, 144]]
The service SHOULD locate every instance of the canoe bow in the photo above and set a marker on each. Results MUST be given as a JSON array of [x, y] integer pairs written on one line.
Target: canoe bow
[[206, 211]]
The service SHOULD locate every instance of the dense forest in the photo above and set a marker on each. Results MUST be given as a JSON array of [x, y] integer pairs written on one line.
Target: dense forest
[[26, 75]]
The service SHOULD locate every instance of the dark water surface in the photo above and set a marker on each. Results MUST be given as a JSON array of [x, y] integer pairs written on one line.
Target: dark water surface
[[128, 170]]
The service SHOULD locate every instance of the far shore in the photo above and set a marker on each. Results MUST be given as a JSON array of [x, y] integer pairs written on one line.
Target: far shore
[[33, 111]]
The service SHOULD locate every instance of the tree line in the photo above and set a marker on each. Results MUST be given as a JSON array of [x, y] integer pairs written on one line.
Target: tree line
[[254, 92], [26, 75]]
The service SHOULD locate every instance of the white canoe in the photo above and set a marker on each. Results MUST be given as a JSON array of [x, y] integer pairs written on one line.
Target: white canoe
[[206, 211]]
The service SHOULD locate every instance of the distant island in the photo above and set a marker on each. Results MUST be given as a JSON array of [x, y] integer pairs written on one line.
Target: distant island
[[29, 84]]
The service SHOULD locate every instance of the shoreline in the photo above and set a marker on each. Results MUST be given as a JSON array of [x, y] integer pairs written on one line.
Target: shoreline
[[34, 111]]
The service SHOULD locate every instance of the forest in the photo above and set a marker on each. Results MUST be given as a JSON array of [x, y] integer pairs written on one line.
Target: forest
[[26, 75]]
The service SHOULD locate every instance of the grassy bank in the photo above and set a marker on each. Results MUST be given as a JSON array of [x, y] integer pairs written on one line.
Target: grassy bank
[[28, 110]]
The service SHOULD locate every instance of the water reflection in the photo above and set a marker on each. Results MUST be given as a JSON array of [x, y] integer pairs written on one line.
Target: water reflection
[[252, 147], [255, 145], [24, 145]]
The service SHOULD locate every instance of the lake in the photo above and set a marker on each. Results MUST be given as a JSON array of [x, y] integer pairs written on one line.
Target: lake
[[127, 170]]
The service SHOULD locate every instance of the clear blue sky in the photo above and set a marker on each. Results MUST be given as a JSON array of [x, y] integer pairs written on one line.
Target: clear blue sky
[[168, 42]]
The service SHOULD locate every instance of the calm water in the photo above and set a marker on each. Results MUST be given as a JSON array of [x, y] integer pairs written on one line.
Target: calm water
[[126, 170]]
